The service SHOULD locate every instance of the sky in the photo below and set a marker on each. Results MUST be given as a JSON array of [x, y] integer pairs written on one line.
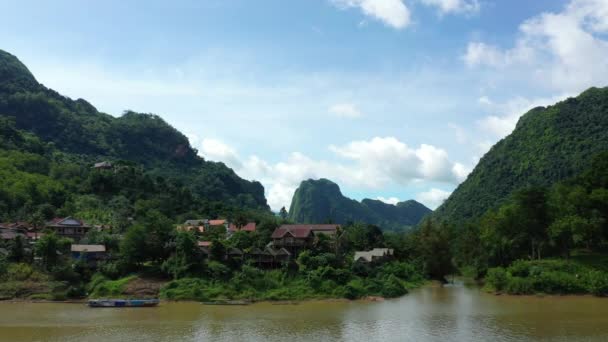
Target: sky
[[391, 99]]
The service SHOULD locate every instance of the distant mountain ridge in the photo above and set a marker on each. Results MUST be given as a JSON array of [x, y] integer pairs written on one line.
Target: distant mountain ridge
[[549, 144], [78, 129], [318, 201]]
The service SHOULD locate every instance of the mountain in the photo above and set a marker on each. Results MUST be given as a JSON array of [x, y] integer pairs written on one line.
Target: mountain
[[78, 129], [549, 144], [318, 201]]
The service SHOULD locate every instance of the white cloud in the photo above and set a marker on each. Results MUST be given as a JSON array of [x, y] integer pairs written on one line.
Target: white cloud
[[345, 110], [367, 164], [454, 6], [389, 200], [393, 13], [504, 116], [213, 149], [433, 198], [564, 51]]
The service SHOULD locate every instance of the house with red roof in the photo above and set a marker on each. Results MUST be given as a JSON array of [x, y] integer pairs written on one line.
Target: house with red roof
[[249, 227], [295, 237]]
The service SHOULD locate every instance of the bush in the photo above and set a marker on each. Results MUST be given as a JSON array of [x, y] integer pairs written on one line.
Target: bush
[[354, 289], [597, 283], [392, 288], [19, 272], [101, 287], [559, 283], [519, 286], [497, 278], [218, 270]]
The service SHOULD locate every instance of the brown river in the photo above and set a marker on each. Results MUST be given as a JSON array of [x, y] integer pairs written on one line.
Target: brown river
[[451, 313]]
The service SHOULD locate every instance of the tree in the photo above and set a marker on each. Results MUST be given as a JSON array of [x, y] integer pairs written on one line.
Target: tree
[[133, 246], [49, 248], [17, 249], [434, 250], [185, 257], [240, 221], [567, 231], [283, 213]]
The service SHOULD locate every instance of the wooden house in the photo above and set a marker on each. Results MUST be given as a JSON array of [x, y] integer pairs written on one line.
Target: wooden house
[[69, 227], [295, 237]]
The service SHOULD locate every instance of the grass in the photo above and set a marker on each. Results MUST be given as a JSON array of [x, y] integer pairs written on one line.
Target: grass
[[101, 287]]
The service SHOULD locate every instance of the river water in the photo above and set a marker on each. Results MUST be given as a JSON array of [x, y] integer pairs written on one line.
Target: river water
[[451, 313]]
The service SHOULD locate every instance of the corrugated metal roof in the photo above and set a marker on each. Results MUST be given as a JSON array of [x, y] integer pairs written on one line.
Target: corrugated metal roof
[[88, 248]]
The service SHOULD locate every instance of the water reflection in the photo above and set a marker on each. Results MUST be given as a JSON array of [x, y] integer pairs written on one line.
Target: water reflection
[[453, 313]]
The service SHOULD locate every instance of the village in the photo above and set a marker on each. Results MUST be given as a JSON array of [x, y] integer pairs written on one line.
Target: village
[[286, 242]]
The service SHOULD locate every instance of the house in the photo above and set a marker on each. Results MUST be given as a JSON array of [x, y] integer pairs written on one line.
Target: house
[[295, 237], [195, 225], [91, 254], [234, 254], [249, 227], [69, 227], [104, 165], [280, 256], [375, 255], [10, 233], [259, 257]]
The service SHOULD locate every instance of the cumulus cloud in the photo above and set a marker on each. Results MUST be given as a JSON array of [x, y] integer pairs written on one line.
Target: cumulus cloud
[[433, 198], [504, 116], [393, 13], [345, 110], [389, 200], [213, 149], [367, 164], [564, 51], [454, 6]]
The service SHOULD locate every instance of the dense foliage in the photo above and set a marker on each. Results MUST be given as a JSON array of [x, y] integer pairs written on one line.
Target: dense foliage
[[548, 145], [78, 129], [321, 201]]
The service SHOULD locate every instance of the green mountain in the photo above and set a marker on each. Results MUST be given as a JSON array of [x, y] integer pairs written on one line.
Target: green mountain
[[549, 144], [318, 201], [77, 129]]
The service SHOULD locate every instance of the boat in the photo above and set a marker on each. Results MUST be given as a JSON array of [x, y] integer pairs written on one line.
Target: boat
[[123, 303], [228, 302]]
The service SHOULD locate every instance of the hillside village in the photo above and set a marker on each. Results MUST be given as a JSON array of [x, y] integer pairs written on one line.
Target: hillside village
[[286, 242]]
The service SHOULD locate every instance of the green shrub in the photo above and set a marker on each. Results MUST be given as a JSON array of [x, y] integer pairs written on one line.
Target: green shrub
[[597, 283], [19, 272], [354, 289], [393, 288], [555, 282], [101, 287], [519, 286], [497, 278]]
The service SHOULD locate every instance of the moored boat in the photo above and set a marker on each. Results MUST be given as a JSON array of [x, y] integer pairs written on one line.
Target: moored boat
[[228, 302], [123, 303]]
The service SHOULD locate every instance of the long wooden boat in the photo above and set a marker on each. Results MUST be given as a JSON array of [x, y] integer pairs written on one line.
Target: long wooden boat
[[123, 303], [228, 302]]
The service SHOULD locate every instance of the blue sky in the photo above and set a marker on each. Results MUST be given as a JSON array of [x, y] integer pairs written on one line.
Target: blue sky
[[392, 99]]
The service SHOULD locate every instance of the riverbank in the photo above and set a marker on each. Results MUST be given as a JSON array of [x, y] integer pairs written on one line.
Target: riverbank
[[581, 275], [391, 280]]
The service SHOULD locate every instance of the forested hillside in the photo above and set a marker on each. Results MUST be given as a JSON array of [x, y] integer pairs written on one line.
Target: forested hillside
[[77, 129], [321, 201], [548, 145]]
